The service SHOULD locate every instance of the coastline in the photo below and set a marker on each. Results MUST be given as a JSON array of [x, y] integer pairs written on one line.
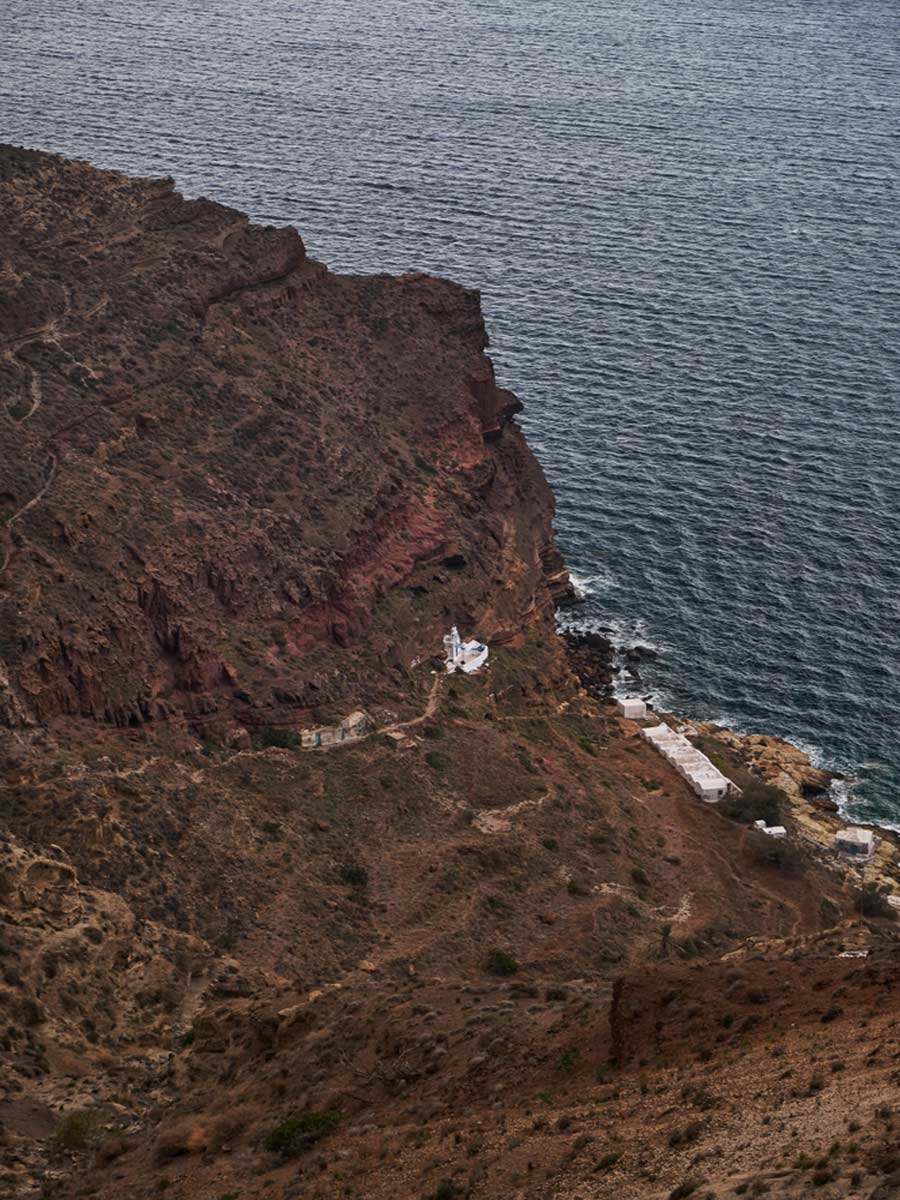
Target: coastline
[[813, 814]]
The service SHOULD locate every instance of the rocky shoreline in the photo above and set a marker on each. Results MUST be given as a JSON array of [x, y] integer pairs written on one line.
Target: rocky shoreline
[[813, 812]]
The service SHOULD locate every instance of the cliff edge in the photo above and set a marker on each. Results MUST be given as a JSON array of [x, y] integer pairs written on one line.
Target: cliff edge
[[232, 480]]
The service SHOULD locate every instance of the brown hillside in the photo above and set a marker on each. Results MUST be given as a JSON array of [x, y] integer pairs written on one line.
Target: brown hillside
[[513, 958]]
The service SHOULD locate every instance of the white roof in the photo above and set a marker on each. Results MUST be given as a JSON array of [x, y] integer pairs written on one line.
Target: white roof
[[855, 835], [690, 762]]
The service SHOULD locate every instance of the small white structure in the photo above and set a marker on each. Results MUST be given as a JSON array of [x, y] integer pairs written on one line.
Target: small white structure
[[463, 656], [855, 842], [631, 707], [354, 725], [775, 831], [707, 781]]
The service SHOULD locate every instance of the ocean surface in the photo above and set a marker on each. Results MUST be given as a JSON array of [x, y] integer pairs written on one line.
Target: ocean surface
[[685, 222]]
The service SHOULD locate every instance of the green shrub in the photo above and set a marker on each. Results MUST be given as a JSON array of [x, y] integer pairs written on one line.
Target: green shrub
[[436, 761], [830, 912], [779, 853], [550, 843], [587, 746], [284, 739], [577, 887], [354, 874], [639, 875], [77, 1129], [445, 1190], [299, 1131], [569, 1059], [499, 962], [684, 1189], [687, 1135], [872, 902], [759, 802]]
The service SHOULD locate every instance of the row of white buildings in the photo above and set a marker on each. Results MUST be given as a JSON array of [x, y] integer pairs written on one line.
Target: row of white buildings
[[711, 785], [691, 764]]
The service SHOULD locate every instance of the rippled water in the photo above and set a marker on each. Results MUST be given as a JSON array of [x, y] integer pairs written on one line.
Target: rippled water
[[685, 221]]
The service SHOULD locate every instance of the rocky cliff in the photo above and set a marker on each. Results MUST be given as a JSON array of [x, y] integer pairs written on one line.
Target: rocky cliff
[[232, 480], [494, 949]]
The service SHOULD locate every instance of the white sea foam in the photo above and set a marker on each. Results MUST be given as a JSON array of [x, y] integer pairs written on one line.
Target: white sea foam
[[590, 585]]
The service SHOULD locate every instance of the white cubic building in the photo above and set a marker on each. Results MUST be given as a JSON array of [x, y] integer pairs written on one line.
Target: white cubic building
[[463, 656], [855, 842], [692, 764], [631, 707]]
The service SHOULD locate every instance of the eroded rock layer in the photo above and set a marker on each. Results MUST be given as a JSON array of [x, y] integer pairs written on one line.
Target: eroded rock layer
[[228, 472]]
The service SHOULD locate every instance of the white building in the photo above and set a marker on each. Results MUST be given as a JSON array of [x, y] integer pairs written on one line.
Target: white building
[[855, 842], [354, 725], [463, 656], [631, 707], [775, 831], [706, 780]]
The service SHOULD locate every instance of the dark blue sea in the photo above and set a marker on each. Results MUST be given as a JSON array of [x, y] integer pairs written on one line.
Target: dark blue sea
[[685, 222]]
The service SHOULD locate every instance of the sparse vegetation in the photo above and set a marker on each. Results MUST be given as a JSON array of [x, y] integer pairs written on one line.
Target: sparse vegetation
[[779, 853], [284, 739], [500, 962], [298, 1132], [686, 1135], [608, 1160], [78, 1129], [445, 1190], [684, 1189], [759, 802], [569, 1059], [354, 874], [872, 902], [830, 912]]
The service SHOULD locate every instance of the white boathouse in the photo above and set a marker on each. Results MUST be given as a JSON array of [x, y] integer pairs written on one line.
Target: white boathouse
[[463, 656], [707, 781]]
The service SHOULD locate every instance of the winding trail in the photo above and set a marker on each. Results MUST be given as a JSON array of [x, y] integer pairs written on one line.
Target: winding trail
[[429, 710], [36, 499], [49, 333]]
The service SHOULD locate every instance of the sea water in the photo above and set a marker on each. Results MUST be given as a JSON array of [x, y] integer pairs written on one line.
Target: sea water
[[685, 222]]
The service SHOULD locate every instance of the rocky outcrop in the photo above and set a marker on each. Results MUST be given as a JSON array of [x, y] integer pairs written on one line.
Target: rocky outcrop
[[776, 761], [231, 477]]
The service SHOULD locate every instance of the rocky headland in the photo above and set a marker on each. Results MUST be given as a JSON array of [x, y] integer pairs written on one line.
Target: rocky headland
[[493, 947]]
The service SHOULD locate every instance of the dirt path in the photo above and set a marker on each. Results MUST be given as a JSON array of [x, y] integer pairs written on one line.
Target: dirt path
[[499, 820], [48, 333], [34, 388], [430, 709]]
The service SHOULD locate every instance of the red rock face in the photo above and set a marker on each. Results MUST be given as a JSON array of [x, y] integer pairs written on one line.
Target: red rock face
[[226, 469]]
